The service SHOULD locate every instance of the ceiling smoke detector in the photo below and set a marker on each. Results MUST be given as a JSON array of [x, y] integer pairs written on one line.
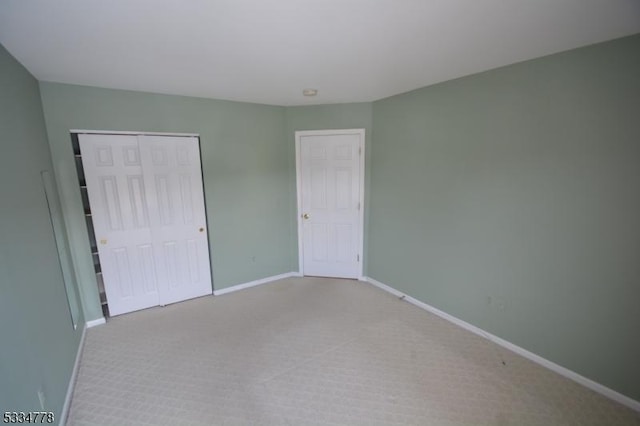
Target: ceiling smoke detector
[[310, 92]]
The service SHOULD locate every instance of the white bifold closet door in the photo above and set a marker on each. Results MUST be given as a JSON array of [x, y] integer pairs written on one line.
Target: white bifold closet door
[[147, 206]]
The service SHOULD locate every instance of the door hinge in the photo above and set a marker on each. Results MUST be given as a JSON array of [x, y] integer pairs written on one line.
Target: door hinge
[[358, 257], [359, 150], [358, 205]]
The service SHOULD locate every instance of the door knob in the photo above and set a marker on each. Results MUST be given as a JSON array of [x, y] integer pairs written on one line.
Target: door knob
[[306, 215], [201, 229]]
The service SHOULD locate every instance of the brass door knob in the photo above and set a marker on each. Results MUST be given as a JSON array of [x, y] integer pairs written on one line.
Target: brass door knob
[[305, 216]]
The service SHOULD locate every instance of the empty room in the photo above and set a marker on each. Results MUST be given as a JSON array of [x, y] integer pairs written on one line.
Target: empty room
[[391, 212]]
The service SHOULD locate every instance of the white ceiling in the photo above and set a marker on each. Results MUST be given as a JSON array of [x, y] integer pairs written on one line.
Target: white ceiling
[[268, 51]]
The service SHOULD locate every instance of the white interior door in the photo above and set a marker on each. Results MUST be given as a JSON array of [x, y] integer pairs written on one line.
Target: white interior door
[[330, 200], [147, 206], [173, 180], [121, 220]]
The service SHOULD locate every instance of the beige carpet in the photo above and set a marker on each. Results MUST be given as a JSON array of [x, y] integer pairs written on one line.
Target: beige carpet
[[315, 351]]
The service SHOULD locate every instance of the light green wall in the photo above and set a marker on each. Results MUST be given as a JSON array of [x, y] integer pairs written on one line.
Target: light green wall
[[38, 344], [325, 117], [521, 184], [245, 168]]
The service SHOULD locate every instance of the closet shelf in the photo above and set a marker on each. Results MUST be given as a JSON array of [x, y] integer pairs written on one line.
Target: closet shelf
[[84, 193]]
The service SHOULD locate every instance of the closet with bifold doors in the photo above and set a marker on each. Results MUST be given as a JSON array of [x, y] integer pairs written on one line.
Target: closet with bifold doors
[[146, 201]]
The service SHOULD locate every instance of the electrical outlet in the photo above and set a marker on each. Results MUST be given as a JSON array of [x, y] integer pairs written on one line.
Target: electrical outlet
[[489, 300], [42, 398]]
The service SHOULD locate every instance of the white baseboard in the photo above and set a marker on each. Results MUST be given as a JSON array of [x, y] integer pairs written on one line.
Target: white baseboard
[[594, 386], [95, 322], [72, 381], [254, 283]]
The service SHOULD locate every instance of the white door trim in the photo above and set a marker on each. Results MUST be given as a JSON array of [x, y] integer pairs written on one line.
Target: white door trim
[[124, 132], [298, 136]]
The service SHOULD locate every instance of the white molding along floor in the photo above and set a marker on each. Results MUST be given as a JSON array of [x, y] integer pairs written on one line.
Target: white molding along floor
[[96, 322], [305, 350], [595, 386], [72, 381], [254, 283]]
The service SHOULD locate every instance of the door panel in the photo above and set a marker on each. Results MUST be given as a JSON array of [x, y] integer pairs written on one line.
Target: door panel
[[330, 185], [120, 219], [147, 266], [138, 200], [173, 180]]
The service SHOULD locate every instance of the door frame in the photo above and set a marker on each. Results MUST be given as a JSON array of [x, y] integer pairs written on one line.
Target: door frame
[[360, 243]]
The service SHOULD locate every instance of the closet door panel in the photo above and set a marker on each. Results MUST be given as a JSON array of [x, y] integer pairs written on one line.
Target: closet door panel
[[173, 179], [121, 220]]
